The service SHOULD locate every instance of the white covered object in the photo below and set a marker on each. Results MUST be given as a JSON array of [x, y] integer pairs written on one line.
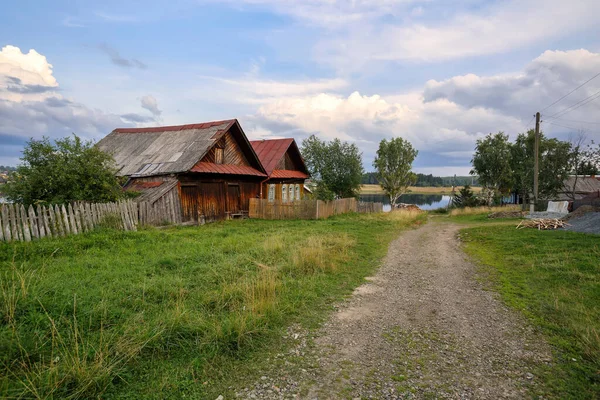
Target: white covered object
[[558, 207]]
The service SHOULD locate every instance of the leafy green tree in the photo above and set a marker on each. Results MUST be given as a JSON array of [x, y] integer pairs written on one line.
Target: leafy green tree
[[554, 164], [336, 167], [393, 164], [492, 163], [591, 158], [67, 170]]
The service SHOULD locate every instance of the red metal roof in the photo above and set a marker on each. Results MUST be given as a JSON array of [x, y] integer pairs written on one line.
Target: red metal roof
[[286, 173], [145, 185], [210, 168], [203, 125], [270, 151]]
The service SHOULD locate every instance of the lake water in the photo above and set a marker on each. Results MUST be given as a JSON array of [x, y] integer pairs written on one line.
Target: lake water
[[424, 201]]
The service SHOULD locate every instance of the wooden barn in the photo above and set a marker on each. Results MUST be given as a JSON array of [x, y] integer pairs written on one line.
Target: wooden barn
[[285, 169], [201, 171]]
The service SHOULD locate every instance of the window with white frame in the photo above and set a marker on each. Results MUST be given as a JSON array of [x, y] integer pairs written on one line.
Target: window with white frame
[[284, 190], [297, 192], [271, 193], [291, 189]]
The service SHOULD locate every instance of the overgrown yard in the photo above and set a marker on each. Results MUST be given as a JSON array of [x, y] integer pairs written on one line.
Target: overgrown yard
[[553, 277], [173, 312]]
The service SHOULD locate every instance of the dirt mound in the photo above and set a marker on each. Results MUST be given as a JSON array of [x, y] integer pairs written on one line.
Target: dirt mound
[[506, 214], [581, 211]]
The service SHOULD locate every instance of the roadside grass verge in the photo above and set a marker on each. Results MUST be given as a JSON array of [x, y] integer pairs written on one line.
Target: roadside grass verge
[[175, 312], [552, 277]]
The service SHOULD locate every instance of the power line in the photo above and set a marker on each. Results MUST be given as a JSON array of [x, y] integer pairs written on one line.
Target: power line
[[576, 105], [581, 122], [529, 123], [583, 84], [567, 127]]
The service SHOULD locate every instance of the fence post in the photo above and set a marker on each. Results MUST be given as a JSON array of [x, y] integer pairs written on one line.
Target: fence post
[[6, 223], [1, 229]]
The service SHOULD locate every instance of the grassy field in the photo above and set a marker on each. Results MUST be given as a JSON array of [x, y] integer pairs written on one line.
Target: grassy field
[[553, 278], [376, 189], [177, 312]]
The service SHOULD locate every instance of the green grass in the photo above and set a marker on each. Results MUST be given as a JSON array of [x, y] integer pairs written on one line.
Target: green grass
[[168, 313], [552, 277]]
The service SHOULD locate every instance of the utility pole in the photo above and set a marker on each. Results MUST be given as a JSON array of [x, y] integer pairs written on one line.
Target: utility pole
[[536, 163]]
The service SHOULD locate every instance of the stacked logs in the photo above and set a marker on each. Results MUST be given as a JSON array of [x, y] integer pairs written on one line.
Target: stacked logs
[[542, 223]]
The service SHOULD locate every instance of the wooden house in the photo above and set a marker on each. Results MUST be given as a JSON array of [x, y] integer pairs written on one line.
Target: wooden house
[[201, 171], [285, 169]]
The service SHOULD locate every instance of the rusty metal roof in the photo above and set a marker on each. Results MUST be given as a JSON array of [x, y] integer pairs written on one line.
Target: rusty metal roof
[[272, 150], [288, 174], [229, 169], [162, 150]]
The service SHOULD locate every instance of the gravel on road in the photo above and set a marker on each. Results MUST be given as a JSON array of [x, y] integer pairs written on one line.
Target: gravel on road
[[423, 327]]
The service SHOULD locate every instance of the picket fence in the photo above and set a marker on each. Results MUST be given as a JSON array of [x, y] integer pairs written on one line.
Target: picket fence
[[308, 209], [18, 223]]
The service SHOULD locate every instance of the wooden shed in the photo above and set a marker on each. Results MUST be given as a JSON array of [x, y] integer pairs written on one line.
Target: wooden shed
[[202, 171], [285, 168]]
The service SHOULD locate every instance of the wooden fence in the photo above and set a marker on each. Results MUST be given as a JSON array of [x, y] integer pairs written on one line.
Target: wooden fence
[[308, 209], [369, 207], [18, 223]]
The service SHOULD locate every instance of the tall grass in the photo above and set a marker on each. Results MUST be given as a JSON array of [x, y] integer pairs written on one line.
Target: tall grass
[[483, 210], [149, 314]]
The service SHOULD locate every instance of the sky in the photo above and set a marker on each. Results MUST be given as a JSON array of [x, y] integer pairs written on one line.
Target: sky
[[440, 74]]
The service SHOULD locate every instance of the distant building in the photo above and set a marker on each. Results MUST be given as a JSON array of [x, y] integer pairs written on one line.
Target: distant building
[[578, 187], [285, 169]]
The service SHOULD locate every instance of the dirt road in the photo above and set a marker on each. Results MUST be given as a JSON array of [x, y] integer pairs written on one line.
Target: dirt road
[[422, 327]]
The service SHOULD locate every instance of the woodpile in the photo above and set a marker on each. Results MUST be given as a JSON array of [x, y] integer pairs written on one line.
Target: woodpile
[[542, 223], [409, 207], [506, 214]]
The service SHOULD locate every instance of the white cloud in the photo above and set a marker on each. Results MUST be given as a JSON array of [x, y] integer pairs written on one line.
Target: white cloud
[[150, 103], [444, 119], [497, 28], [254, 90], [545, 79], [31, 104], [24, 76], [331, 13]]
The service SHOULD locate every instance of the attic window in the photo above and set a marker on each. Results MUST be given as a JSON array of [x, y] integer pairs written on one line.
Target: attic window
[[219, 155]]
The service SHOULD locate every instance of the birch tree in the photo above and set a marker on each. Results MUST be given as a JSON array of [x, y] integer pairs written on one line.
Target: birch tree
[[393, 164]]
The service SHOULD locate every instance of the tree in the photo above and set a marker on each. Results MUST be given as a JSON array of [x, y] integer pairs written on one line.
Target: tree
[[68, 170], [492, 163], [465, 198], [554, 164], [393, 164], [336, 167]]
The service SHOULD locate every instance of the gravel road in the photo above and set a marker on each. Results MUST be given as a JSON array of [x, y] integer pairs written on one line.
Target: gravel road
[[422, 327]]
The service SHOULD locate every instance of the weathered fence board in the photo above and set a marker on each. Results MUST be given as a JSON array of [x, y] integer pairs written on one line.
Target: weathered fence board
[[308, 209]]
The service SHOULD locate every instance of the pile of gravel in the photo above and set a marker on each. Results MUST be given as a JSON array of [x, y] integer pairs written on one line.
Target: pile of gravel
[[544, 214], [587, 223]]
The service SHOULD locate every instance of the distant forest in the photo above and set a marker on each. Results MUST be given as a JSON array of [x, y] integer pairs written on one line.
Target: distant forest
[[6, 168], [428, 180]]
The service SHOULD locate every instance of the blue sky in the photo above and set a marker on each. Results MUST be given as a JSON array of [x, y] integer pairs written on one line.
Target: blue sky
[[440, 74]]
